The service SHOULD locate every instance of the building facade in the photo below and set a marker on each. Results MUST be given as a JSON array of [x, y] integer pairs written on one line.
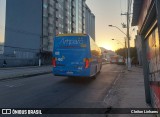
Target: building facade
[[29, 27], [90, 23], [138, 46], [22, 31], [146, 15], [62, 16]]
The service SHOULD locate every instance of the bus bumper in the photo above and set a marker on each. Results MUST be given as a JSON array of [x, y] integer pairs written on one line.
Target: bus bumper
[[80, 73]]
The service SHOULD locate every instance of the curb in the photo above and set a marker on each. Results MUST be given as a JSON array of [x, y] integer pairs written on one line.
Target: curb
[[24, 75], [26, 67]]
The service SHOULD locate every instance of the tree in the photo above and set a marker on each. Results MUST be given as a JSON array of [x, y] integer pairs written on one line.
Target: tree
[[133, 52], [121, 52]]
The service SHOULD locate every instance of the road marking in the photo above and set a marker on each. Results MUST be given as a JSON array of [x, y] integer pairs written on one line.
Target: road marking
[[104, 101], [115, 71], [15, 85], [9, 85], [116, 79]]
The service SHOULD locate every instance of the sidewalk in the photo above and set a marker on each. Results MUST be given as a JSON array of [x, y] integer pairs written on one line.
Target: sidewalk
[[128, 92], [15, 72]]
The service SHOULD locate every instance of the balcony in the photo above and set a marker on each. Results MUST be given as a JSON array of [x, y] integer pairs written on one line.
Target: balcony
[[57, 6], [73, 20], [57, 16], [51, 2], [57, 24], [50, 21], [51, 10], [45, 32], [50, 30], [50, 38], [45, 13]]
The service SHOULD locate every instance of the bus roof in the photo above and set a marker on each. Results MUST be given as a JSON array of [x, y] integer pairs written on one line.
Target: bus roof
[[72, 34]]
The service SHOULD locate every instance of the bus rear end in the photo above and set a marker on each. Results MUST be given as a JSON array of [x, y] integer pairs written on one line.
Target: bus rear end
[[71, 56]]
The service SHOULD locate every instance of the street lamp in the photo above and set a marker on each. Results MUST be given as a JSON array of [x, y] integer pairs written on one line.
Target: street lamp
[[118, 29], [128, 60], [119, 42]]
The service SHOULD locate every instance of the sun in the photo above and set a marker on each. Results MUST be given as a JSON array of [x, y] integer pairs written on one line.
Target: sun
[[108, 47]]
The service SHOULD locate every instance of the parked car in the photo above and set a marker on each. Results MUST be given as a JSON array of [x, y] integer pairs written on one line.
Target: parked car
[[121, 61]]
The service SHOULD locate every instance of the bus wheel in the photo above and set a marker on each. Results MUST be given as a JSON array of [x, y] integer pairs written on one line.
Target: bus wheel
[[71, 77], [99, 70], [93, 77]]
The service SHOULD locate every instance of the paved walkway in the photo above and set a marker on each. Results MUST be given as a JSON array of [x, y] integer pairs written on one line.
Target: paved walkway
[[7, 73], [128, 92]]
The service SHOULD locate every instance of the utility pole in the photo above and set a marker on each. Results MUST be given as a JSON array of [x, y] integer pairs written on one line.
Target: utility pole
[[129, 59], [128, 37], [126, 58]]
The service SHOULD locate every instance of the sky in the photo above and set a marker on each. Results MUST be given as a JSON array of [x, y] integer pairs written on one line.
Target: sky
[[108, 12], [2, 14]]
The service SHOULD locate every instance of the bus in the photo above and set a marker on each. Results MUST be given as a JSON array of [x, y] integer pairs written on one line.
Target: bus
[[76, 55], [114, 60]]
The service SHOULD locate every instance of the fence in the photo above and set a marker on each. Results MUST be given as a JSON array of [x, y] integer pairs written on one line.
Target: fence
[[15, 56]]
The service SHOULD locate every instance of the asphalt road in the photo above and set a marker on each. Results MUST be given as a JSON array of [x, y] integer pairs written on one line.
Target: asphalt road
[[49, 91]]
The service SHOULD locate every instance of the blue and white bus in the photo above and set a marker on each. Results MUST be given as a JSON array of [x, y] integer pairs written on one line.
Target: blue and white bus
[[76, 55]]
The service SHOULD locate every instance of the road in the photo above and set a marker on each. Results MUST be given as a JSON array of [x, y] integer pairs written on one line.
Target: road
[[48, 91]]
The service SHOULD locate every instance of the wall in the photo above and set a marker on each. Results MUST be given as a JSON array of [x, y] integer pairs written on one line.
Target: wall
[[23, 26], [139, 49]]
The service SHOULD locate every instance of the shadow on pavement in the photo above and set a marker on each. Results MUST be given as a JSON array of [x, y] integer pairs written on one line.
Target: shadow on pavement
[[77, 80]]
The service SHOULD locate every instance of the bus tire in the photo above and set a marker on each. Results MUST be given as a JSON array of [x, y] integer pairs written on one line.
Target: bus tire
[[100, 69], [71, 77], [93, 77]]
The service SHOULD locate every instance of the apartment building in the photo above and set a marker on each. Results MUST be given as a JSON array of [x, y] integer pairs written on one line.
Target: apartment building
[[62, 16], [89, 22], [29, 26]]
